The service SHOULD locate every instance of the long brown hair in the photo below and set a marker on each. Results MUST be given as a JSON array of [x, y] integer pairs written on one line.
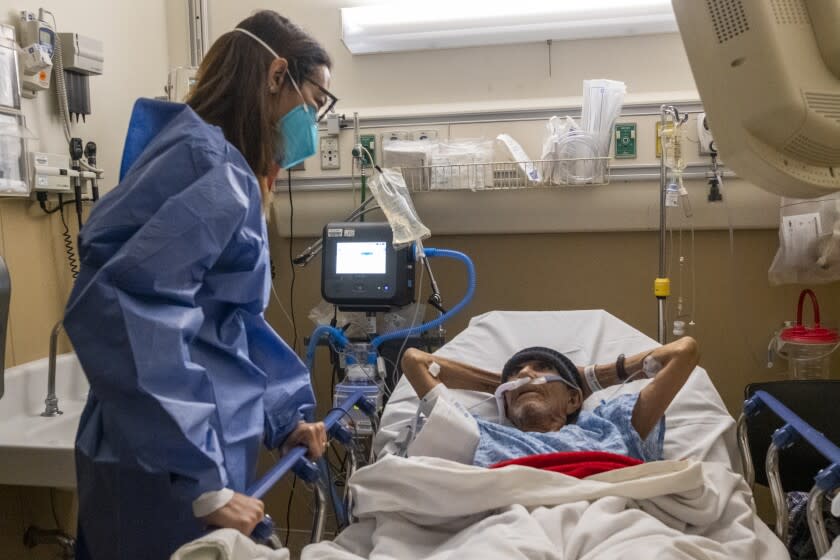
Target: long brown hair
[[232, 82]]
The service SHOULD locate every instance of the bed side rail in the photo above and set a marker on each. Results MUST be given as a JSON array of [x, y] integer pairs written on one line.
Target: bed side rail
[[295, 460], [794, 428]]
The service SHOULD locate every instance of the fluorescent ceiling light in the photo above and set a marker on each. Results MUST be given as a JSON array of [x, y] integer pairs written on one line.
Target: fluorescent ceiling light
[[408, 25]]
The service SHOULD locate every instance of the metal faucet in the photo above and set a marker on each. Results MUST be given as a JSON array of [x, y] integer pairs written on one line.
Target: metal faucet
[[52, 400], [5, 298]]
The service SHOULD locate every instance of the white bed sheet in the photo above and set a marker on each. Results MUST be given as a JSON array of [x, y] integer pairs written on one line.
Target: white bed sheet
[[698, 426]]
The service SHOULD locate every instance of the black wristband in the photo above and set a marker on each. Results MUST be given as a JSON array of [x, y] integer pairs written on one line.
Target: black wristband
[[620, 372]]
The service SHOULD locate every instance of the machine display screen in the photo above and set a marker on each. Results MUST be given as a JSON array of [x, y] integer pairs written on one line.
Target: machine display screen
[[361, 257]]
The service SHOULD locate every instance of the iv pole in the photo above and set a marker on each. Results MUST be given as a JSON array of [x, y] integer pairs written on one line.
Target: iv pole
[[669, 116], [662, 284]]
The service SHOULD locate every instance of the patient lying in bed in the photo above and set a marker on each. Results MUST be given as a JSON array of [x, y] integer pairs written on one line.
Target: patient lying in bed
[[540, 410]]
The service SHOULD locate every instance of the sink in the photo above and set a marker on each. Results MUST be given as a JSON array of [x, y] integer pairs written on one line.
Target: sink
[[34, 450]]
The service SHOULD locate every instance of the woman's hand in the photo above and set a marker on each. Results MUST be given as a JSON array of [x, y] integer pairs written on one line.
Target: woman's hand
[[241, 513], [313, 435]]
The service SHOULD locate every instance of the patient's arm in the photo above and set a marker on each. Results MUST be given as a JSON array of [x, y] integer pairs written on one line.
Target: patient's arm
[[678, 359], [608, 376], [455, 375]]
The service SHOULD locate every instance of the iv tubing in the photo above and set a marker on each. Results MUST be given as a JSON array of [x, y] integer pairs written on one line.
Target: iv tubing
[[430, 252]]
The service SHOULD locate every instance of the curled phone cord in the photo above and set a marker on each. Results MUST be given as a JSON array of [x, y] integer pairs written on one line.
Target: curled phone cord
[[68, 242]]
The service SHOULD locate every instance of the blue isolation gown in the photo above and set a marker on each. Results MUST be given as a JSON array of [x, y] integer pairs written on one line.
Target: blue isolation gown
[[187, 378]]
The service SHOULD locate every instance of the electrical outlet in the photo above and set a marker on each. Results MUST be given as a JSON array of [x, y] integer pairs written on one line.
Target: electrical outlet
[[329, 153], [704, 135], [424, 135]]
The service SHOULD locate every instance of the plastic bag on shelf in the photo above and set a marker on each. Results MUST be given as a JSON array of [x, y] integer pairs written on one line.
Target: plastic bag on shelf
[[602, 102], [411, 156], [555, 130], [577, 160], [809, 242], [462, 164], [510, 150]]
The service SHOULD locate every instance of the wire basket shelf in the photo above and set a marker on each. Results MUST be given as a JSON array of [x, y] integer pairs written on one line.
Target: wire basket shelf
[[486, 176]]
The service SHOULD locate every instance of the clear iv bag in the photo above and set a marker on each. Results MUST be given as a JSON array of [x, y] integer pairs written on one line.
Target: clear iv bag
[[393, 197], [672, 146]]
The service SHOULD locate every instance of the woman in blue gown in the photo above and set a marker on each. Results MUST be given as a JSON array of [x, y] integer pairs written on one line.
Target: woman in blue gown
[[187, 378]]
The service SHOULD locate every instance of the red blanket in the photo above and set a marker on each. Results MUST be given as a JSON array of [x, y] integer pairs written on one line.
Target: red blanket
[[578, 464]]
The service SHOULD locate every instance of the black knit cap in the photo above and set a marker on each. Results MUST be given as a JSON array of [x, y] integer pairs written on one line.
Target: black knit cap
[[555, 359]]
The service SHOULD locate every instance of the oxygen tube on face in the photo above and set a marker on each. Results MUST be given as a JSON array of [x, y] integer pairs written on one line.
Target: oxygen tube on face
[[650, 367], [499, 393]]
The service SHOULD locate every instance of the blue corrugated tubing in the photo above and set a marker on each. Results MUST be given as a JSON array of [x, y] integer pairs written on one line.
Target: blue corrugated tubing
[[404, 333], [337, 335]]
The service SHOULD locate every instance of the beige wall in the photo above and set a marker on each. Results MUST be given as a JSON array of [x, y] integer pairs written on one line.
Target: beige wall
[[136, 64], [30, 241]]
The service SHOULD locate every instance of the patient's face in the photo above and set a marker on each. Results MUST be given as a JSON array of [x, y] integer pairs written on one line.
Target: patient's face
[[540, 408]]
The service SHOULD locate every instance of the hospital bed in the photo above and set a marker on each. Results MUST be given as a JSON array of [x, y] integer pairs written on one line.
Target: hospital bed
[[698, 427]]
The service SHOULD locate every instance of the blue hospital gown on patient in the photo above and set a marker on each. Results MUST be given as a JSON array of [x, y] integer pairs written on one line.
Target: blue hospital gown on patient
[[607, 428]]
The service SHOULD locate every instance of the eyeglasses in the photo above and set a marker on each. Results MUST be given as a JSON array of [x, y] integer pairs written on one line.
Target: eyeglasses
[[326, 107]]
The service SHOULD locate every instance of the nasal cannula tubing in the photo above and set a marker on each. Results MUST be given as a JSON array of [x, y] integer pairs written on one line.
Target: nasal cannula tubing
[[650, 369], [517, 383]]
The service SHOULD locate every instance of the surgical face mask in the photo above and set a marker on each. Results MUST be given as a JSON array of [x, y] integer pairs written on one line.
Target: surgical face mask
[[499, 394], [296, 133]]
